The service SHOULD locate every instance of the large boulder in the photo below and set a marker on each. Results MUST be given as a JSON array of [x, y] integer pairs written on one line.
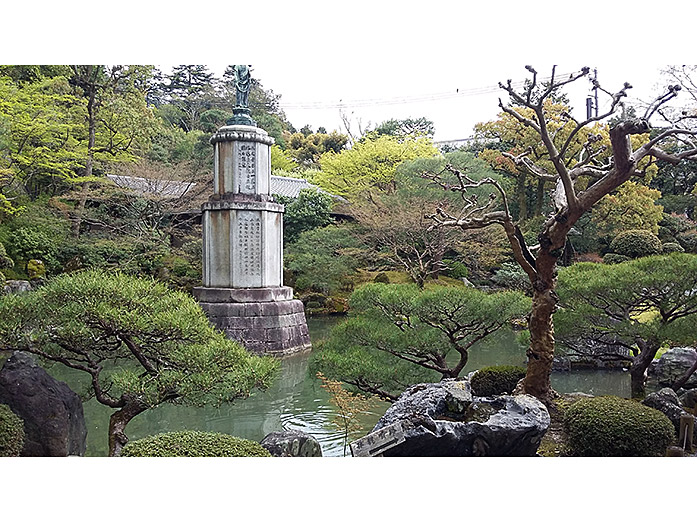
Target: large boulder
[[54, 422], [688, 399], [667, 401], [444, 419], [292, 443], [672, 365]]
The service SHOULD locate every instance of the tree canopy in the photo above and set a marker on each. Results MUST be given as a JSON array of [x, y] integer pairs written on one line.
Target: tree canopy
[[369, 163], [140, 343], [399, 335], [637, 306]]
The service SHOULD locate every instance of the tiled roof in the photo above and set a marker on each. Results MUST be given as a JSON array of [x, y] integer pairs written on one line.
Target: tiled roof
[[280, 185], [290, 187], [163, 188]]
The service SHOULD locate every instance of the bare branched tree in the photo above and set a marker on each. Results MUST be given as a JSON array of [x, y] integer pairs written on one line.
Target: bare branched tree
[[580, 183]]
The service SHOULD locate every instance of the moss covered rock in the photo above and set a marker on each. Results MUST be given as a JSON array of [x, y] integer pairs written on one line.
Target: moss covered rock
[[194, 444], [496, 380], [613, 426], [11, 432]]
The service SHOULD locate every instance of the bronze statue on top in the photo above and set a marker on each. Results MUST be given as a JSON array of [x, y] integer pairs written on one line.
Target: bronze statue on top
[[243, 82]]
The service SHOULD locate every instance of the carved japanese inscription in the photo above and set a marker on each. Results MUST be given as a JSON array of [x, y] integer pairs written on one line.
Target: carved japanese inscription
[[249, 247], [246, 167]]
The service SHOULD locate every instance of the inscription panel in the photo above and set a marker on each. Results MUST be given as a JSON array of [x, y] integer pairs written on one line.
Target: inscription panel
[[375, 443], [246, 160], [248, 248]]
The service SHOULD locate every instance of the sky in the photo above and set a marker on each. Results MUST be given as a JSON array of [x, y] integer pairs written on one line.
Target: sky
[[453, 98]]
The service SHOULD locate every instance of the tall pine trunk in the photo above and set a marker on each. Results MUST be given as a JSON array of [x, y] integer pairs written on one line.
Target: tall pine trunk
[[117, 425], [540, 353]]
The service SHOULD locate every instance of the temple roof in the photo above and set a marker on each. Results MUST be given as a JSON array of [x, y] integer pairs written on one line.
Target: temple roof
[[281, 185]]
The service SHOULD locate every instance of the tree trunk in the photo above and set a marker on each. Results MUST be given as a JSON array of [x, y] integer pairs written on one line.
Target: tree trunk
[[638, 373], [640, 367], [117, 426], [522, 198], [541, 351], [540, 197], [89, 162]]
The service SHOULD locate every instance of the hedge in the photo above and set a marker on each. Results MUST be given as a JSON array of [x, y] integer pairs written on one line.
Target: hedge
[[636, 244], [611, 258], [613, 426], [193, 444]]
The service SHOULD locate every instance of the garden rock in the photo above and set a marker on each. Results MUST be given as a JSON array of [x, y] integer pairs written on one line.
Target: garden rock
[[444, 419], [54, 423], [688, 399], [16, 286], [292, 443], [672, 365], [667, 401]]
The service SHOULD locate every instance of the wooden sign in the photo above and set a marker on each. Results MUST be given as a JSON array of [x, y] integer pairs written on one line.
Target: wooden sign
[[375, 443]]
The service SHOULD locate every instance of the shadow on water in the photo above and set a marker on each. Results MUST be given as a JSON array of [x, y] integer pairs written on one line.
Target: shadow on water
[[297, 401]]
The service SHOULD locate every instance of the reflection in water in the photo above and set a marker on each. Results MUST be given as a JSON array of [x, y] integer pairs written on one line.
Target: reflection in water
[[596, 382], [296, 400]]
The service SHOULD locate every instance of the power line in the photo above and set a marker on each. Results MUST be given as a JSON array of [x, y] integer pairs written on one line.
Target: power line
[[433, 97]]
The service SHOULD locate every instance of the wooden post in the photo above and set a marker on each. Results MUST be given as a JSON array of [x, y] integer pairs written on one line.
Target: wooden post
[[687, 426]]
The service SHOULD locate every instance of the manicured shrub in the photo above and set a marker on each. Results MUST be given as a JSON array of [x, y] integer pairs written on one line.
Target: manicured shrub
[[496, 380], [456, 269], [636, 243], [11, 432], [194, 444], [613, 426], [688, 240], [511, 276], [611, 258], [669, 247], [26, 244]]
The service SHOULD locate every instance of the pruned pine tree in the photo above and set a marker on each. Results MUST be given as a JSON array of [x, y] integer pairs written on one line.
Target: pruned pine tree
[[139, 343]]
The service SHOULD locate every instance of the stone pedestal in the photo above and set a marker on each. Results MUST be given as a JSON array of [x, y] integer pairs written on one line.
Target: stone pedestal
[[243, 292]]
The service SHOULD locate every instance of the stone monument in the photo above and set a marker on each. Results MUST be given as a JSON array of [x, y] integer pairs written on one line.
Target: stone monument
[[243, 292]]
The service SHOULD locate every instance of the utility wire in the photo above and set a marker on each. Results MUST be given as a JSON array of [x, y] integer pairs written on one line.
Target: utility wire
[[434, 97]]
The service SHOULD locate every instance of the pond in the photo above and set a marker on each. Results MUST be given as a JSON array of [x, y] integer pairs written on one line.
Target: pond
[[297, 401]]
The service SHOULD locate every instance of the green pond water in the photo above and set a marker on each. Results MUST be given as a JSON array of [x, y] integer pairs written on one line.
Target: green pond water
[[296, 400]]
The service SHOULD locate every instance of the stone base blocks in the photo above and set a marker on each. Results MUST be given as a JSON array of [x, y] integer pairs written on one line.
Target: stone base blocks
[[265, 320]]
